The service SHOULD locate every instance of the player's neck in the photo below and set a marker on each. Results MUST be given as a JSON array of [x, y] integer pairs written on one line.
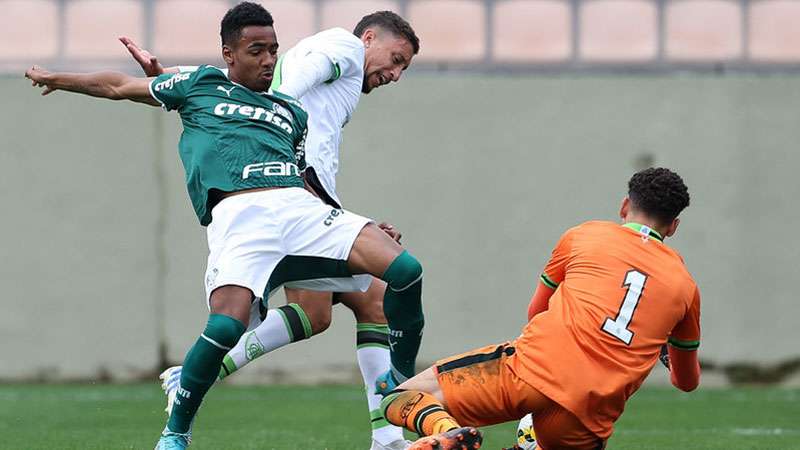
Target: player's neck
[[638, 219], [238, 81]]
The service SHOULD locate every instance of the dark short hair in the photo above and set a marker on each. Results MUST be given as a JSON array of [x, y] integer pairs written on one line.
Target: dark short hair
[[243, 15], [658, 192], [391, 22]]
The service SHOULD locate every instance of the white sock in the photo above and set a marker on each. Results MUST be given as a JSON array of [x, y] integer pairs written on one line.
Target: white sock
[[282, 326], [373, 360]]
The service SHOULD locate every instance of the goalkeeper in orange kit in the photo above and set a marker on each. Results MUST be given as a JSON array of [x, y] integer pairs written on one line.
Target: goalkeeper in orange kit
[[608, 300]]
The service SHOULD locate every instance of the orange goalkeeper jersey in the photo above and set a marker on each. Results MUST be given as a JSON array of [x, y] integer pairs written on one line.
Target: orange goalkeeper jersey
[[620, 294]]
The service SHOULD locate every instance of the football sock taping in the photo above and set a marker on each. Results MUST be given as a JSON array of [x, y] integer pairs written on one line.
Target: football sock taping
[[418, 412], [372, 341], [200, 368], [402, 306], [296, 321], [280, 327]]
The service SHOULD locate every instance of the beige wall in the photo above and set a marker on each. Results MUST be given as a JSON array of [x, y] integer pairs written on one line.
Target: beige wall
[[102, 255]]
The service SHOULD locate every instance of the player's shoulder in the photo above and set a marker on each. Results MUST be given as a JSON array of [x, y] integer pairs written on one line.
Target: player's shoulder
[[338, 44], [206, 71], [289, 102], [285, 98], [203, 75], [593, 227], [339, 37], [680, 269]]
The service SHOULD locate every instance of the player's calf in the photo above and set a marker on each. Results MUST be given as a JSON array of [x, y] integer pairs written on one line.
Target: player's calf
[[417, 411], [402, 305]]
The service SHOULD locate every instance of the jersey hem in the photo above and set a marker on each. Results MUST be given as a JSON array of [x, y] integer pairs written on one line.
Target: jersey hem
[[603, 433]]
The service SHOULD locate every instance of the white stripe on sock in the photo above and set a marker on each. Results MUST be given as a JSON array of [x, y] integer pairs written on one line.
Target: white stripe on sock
[[407, 286], [215, 343]]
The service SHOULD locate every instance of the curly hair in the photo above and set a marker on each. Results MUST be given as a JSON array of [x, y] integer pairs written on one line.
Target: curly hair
[[243, 15], [658, 192], [391, 22]]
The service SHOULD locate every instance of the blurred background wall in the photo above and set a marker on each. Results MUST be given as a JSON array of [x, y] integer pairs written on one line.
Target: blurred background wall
[[518, 120]]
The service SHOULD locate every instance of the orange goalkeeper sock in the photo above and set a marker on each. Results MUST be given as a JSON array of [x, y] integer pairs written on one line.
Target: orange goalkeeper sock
[[418, 412]]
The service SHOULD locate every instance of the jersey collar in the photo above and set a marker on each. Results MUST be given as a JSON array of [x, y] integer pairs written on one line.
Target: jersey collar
[[644, 230]]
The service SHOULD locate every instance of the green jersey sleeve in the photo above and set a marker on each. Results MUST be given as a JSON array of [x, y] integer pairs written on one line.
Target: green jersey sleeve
[[171, 89]]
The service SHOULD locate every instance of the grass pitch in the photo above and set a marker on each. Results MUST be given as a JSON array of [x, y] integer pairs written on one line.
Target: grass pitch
[[335, 418]]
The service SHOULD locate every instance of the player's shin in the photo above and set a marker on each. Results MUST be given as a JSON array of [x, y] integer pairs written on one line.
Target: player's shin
[[280, 327], [417, 411], [372, 341], [402, 306], [200, 368]]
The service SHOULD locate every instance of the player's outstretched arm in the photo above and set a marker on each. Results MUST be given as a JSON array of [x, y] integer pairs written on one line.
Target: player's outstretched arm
[[684, 369], [111, 85], [148, 61]]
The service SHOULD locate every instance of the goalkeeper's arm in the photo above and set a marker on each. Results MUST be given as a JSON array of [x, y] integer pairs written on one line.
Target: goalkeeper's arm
[[540, 300], [684, 368]]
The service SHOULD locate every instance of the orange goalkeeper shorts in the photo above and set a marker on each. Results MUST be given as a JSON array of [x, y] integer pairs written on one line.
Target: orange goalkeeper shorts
[[480, 389]]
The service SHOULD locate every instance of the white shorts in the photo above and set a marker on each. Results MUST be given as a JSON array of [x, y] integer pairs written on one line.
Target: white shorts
[[356, 283], [262, 240]]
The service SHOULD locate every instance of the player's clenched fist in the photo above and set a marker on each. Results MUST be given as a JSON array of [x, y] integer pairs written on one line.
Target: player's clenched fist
[[40, 78]]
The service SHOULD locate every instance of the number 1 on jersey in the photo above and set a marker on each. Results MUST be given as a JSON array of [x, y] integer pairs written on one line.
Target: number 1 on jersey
[[618, 327]]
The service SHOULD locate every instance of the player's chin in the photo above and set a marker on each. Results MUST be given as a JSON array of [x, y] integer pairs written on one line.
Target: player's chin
[[267, 80]]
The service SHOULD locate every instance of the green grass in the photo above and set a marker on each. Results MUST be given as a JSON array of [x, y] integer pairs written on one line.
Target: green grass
[[334, 417]]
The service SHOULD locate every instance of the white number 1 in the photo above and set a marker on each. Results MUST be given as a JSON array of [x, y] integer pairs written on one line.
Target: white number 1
[[618, 327]]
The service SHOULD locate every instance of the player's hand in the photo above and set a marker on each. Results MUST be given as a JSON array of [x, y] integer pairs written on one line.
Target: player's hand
[[148, 61], [389, 229], [664, 356], [40, 78]]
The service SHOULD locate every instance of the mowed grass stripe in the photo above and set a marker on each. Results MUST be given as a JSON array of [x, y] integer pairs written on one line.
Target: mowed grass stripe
[[336, 418]]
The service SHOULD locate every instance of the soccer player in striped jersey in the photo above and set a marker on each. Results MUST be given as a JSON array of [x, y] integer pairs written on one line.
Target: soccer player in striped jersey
[[328, 72]]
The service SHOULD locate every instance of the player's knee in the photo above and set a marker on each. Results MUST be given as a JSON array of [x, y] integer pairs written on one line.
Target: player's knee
[[403, 273], [320, 320], [370, 313], [366, 308], [224, 330]]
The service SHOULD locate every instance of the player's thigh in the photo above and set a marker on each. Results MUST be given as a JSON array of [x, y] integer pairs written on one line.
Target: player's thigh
[[239, 268], [373, 251], [317, 306], [320, 241], [557, 429], [480, 389], [367, 306], [427, 382]]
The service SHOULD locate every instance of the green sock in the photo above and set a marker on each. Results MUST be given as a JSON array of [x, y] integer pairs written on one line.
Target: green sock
[[200, 368], [402, 305]]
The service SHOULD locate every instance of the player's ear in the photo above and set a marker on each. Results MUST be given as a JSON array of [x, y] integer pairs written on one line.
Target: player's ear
[[624, 208], [368, 36], [227, 54], [673, 227]]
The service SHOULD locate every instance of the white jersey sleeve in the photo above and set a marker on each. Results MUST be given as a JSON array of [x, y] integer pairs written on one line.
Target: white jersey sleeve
[[329, 94], [305, 74]]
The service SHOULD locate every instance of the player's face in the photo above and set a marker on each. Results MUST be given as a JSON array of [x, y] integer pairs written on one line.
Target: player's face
[[386, 57], [251, 60]]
